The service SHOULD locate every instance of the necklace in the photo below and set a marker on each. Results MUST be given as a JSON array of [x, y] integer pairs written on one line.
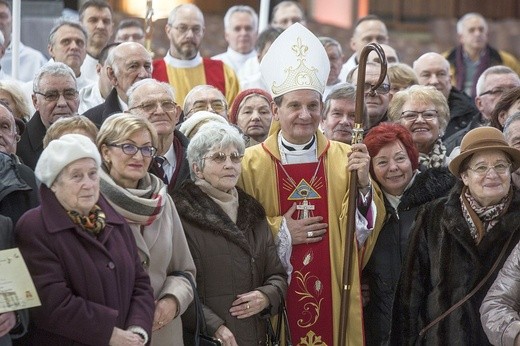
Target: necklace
[[303, 191]]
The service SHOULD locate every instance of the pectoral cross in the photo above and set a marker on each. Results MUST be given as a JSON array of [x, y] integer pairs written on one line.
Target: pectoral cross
[[306, 207]]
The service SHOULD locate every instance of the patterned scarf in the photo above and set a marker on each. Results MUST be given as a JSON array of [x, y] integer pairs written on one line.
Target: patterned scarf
[[436, 158], [481, 219], [94, 222], [142, 205]]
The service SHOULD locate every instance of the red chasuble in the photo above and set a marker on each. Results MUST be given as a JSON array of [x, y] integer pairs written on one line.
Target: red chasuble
[[309, 297]]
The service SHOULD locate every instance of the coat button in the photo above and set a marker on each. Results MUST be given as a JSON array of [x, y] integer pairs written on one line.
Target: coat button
[[111, 265]]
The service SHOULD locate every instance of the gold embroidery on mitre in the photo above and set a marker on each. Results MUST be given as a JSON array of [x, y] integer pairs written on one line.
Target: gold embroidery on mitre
[[300, 76]]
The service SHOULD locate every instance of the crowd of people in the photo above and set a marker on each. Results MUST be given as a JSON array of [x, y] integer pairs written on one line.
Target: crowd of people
[[147, 193]]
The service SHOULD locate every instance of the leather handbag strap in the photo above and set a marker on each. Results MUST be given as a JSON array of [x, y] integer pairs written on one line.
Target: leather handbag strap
[[473, 291]]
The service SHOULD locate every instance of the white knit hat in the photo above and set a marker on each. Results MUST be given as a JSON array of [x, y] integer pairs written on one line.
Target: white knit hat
[[296, 60], [196, 118], [61, 152]]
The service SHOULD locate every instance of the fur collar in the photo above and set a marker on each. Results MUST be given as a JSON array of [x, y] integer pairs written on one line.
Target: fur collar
[[427, 186], [195, 207]]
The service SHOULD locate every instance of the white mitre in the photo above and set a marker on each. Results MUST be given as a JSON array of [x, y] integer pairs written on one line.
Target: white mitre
[[296, 60]]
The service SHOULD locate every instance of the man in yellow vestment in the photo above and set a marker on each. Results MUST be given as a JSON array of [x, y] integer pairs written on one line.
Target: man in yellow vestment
[[302, 180]]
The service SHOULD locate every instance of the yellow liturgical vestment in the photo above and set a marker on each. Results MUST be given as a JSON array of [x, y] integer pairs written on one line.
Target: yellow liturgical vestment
[[260, 180]]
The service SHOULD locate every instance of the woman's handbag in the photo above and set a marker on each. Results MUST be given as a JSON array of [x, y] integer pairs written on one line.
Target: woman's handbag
[[200, 337], [274, 336]]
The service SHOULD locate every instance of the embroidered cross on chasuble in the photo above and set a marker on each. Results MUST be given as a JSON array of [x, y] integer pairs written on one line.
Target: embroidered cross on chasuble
[[309, 297]]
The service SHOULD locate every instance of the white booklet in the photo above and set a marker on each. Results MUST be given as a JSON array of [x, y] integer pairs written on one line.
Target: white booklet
[[17, 289]]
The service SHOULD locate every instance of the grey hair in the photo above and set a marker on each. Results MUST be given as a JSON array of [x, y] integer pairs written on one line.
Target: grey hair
[[497, 69], [511, 119], [66, 22], [212, 135], [460, 22], [173, 14], [341, 91], [329, 41], [188, 102], [57, 69], [149, 81], [240, 8]]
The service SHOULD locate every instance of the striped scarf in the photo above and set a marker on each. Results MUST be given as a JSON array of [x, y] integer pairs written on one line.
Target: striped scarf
[[142, 205]]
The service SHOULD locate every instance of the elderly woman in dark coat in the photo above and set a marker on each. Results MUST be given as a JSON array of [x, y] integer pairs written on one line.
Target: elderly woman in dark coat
[[454, 244], [82, 256], [239, 275], [394, 165]]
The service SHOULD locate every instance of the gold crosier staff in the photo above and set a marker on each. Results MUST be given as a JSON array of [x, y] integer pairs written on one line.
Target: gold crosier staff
[[357, 137], [148, 26]]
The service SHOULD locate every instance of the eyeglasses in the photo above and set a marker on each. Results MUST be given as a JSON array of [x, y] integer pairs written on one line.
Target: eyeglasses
[[68, 94], [130, 149], [427, 115], [500, 168], [216, 106], [381, 90], [220, 157], [150, 107], [183, 29], [494, 91]]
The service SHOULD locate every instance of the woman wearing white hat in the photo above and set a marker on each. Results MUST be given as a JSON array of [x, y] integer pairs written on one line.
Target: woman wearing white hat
[[82, 256], [458, 245]]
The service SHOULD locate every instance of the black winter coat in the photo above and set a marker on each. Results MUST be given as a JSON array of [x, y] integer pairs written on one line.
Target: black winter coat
[[384, 267], [443, 264]]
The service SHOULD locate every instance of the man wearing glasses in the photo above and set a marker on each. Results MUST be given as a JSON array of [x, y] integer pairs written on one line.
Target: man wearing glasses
[[55, 95], [205, 98], [491, 84], [155, 101], [183, 67], [376, 102]]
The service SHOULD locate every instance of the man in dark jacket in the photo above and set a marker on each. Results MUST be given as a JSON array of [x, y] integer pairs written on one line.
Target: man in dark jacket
[[55, 95], [127, 63], [473, 56], [18, 192], [155, 101]]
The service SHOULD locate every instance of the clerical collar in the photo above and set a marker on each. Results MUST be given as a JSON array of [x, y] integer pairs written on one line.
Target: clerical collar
[[170, 60], [297, 147], [297, 153]]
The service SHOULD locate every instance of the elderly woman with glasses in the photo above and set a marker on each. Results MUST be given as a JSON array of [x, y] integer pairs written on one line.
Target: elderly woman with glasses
[[424, 111], [458, 245], [82, 256], [127, 145], [240, 279]]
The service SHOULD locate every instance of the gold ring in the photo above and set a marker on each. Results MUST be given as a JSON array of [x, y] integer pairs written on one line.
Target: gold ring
[[247, 307]]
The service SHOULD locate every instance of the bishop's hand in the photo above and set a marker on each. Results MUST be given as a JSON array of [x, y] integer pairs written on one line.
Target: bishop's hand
[[359, 160], [304, 231]]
